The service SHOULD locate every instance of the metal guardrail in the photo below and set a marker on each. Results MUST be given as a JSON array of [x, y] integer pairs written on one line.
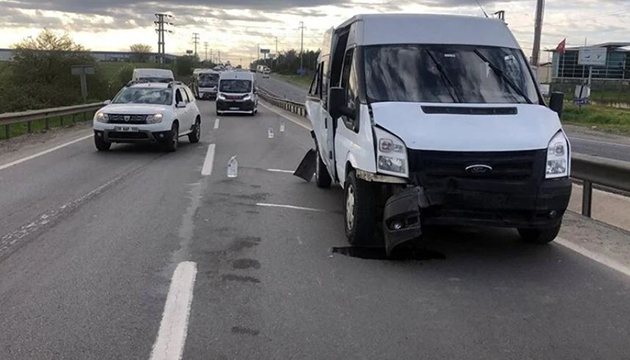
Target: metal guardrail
[[291, 106], [8, 119], [613, 174]]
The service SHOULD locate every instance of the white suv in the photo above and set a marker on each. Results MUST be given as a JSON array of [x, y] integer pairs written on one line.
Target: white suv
[[148, 112]]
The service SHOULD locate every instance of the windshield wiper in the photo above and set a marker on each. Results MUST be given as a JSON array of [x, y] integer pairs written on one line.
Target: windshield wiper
[[502, 75], [445, 77]]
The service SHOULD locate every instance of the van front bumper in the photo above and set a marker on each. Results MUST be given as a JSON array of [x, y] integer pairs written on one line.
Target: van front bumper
[[237, 106]]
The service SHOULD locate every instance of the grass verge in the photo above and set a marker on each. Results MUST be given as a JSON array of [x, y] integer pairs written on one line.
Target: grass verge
[[301, 81], [598, 117]]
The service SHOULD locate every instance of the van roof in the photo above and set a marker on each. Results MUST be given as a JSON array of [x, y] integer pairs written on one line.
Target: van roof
[[383, 29], [155, 85], [242, 75], [153, 72]]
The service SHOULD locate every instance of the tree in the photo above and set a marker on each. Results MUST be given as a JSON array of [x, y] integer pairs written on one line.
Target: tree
[[140, 52], [184, 66]]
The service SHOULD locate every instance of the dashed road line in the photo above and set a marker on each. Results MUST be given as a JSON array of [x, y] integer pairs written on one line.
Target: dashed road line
[[208, 162], [171, 338], [216, 123], [281, 171], [290, 207], [31, 157]]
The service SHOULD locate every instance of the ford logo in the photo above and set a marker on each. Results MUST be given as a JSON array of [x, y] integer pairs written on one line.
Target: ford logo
[[479, 169]]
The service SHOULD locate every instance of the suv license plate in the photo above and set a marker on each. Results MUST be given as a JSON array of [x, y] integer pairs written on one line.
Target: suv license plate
[[234, 108], [126, 129]]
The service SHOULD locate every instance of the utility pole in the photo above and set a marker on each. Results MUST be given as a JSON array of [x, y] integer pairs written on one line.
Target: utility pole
[[162, 19], [302, 47], [258, 54], [276, 54], [205, 45], [540, 11], [219, 57], [196, 41]]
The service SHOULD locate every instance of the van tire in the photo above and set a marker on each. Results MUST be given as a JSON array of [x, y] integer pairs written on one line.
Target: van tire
[[360, 210], [172, 139], [195, 135], [101, 144], [539, 236], [322, 177]]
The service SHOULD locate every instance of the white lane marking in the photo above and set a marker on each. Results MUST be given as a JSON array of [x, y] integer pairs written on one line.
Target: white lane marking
[[208, 162], [290, 207], [598, 142], [31, 157], [300, 241], [602, 259], [216, 124], [171, 338], [281, 171], [285, 116]]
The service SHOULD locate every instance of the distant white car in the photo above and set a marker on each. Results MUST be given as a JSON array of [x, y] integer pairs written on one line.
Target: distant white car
[[151, 113], [152, 75]]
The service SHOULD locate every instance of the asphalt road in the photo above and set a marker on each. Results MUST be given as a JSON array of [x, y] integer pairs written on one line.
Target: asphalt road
[[582, 142], [89, 243]]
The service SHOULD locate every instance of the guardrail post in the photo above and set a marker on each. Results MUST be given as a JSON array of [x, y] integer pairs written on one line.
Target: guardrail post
[[47, 120], [29, 126], [7, 131], [587, 198]]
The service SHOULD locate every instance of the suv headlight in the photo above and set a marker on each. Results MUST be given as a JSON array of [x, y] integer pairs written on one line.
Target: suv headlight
[[101, 117], [391, 154], [557, 165], [155, 119]]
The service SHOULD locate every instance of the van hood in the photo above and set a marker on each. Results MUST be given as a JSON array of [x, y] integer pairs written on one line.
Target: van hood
[[135, 109], [530, 129]]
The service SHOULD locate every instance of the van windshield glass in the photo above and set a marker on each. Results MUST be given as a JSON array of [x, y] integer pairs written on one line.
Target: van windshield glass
[[447, 74], [208, 79], [144, 96], [235, 86]]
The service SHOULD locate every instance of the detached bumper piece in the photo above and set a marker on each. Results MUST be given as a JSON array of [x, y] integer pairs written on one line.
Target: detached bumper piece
[[401, 219]]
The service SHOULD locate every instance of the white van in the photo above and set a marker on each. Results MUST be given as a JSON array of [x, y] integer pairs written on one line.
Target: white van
[[436, 120], [152, 75], [237, 93]]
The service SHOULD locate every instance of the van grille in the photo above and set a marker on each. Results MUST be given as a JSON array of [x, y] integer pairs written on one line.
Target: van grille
[[459, 110], [437, 165]]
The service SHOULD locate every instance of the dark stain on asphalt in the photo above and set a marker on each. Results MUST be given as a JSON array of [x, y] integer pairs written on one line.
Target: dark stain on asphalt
[[252, 212], [402, 254], [253, 197], [245, 264], [241, 243], [255, 186], [240, 278], [244, 331]]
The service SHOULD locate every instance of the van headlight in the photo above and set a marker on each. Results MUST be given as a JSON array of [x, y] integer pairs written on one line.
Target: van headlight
[[102, 117], [391, 156], [155, 118], [557, 164], [221, 96], [247, 97]]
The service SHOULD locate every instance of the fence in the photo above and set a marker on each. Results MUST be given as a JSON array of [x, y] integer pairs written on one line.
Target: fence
[[27, 117], [291, 106]]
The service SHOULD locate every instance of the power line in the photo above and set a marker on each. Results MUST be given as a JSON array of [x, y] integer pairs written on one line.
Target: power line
[[196, 41], [162, 20]]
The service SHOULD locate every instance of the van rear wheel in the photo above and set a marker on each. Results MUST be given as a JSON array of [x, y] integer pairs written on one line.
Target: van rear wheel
[[360, 210], [539, 236], [322, 177]]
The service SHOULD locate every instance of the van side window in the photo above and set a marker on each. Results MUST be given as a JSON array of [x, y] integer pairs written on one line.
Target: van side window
[[315, 88], [350, 84]]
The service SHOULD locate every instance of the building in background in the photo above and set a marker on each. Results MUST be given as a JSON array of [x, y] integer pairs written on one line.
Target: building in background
[[102, 56], [617, 69]]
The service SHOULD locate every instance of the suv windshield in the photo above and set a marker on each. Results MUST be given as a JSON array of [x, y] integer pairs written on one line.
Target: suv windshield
[[144, 96], [447, 74], [208, 79], [235, 86]]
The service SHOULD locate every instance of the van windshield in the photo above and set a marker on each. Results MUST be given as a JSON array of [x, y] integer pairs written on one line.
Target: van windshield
[[447, 74], [235, 86], [208, 79]]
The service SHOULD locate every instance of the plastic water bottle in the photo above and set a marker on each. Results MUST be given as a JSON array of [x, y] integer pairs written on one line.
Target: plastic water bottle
[[270, 132], [282, 127], [232, 168]]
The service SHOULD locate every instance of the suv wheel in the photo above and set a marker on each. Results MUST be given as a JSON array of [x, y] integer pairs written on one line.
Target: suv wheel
[[101, 144], [172, 140], [195, 135]]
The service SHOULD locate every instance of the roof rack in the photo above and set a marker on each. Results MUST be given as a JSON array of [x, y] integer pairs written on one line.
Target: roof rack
[[170, 84]]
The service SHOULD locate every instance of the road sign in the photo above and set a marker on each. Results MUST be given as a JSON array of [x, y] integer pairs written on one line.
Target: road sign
[[592, 56], [265, 51], [82, 71]]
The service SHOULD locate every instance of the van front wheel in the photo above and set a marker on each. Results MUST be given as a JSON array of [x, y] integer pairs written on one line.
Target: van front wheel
[[539, 236], [359, 210]]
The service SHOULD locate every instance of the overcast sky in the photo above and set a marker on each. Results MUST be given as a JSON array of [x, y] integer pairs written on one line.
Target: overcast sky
[[236, 27]]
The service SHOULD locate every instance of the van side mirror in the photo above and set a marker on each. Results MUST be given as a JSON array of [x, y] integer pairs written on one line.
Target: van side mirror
[[557, 102], [337, 104]]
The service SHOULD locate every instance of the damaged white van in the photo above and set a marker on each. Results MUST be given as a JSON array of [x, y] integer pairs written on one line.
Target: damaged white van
[[435, 120]]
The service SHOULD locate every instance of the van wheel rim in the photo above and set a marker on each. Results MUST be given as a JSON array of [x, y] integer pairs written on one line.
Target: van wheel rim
[[175, 137], [350, 207], [198, 129]]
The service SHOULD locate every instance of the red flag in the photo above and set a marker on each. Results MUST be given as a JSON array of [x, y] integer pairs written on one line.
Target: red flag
[[562, 46]]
